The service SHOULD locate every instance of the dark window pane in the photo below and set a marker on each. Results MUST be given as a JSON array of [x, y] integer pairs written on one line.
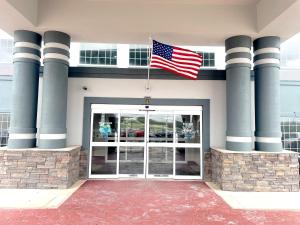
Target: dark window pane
[[82, 53], [107, 61], [114, 61], [88, 60], [211, 55], [212, 63], [206, 63], [94, 53], [132, 62], [82, 60], [88, 53], [144, 62], [131, 55], [138, 55], [94, 61], [205, 55], [108, 54], [114, 53], [102, 61], [138, 62], [101, 54], [144, 55]]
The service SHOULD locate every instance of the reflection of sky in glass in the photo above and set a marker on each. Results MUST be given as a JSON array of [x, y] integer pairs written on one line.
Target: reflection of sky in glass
[[162, 118]]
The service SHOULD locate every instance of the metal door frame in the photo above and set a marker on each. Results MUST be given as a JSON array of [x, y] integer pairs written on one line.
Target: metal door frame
[[140, 109]]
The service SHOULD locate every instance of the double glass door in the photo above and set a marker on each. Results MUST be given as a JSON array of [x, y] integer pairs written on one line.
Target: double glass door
[[152, 142]]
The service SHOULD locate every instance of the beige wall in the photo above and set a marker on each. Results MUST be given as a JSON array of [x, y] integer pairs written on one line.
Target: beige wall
[[213, 90]]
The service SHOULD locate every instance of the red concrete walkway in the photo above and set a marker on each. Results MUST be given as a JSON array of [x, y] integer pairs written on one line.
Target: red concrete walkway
[[145, 202]]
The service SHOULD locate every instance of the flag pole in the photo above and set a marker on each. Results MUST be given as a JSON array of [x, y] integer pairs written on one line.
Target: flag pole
[[149, 60]]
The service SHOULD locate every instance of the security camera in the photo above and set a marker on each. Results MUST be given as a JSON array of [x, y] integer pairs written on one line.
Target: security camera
[[84, 88]]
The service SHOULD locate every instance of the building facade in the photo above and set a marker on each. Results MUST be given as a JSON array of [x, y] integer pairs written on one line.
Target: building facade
[[111, 122]]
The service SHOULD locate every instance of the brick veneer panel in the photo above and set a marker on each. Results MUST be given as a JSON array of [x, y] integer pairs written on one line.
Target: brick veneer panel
[[207, 166], [83, 164], [39, 168], [255, 171]]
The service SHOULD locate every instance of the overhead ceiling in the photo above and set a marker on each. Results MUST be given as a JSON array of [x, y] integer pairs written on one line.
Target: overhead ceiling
[[185, 22]]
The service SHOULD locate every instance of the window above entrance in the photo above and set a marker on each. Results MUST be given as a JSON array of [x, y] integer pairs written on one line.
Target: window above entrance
[[133, 55], [98, 54]]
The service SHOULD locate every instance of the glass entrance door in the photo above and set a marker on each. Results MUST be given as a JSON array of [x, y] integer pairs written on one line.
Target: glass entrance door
[[157, 142]]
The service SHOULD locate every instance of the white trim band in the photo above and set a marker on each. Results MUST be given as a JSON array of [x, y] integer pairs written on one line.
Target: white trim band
[[52, 136], [267, 50], [26, 55], [239, 139], [57, 45], [238, 60], [266, 61], [268, 139], [22, 136], [56, 56], [27, 45], [238, 50]]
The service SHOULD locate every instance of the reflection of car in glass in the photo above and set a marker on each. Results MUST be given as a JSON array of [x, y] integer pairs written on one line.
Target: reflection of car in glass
[[164, 134], [132, 133]]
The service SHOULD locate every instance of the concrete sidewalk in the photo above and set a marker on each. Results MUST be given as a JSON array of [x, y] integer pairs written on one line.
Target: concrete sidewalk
[[259, 200], [35, 198]]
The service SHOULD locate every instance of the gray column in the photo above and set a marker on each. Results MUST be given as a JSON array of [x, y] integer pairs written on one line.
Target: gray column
[[55, 87], [267, 94], [26, 63], [238, 93]]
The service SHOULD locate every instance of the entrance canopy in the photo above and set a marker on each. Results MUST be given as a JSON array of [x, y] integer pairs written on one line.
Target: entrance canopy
[[189, 22]]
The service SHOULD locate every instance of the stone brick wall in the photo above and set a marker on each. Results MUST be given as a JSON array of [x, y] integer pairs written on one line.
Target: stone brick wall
[[83, 164], [255, 171], [39, 168], [207, 166]]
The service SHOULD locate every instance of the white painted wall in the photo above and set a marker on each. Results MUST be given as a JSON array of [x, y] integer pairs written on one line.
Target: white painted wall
[[130, 88]]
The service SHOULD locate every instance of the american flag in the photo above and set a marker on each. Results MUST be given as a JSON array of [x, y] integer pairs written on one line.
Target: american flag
[[177, 60]]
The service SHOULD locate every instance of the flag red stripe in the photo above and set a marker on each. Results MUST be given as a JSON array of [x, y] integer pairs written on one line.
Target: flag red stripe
[[185, 65], [194, 58], [185, 53], [173, 71], [187, 59], [187, 62], [198, 56], [194, 72], [186, 50]]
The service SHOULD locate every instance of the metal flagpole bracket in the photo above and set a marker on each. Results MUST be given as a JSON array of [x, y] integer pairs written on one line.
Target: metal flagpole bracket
[[147, 100]]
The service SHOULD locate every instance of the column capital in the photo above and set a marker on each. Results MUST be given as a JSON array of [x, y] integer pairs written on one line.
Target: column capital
[[27, 36], [27, 46], [267, 51], [238, 51], [56, 47], [57, 37]]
